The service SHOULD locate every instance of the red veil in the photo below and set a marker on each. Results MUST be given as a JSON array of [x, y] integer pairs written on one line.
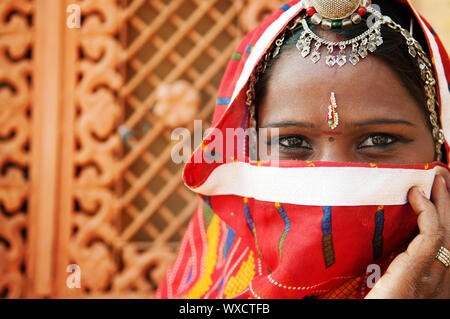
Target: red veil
[[279, 230]]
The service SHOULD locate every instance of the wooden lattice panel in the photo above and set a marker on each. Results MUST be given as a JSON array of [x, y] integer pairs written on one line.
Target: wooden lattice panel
[[167, 41], [15, 121]]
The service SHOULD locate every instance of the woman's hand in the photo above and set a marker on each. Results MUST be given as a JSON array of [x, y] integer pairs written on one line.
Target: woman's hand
[[416, 273]]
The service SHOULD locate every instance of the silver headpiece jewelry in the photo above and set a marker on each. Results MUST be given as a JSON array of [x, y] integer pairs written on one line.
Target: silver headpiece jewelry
[[340, 14]]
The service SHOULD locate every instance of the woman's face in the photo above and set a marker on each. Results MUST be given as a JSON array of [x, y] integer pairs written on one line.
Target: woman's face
[[379, 120]]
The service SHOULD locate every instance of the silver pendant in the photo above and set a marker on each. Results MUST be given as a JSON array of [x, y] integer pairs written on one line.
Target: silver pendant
[[361, 45]]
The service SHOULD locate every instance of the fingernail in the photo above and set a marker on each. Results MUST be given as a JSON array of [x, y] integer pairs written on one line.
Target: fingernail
[[423, 193], [443, 181]]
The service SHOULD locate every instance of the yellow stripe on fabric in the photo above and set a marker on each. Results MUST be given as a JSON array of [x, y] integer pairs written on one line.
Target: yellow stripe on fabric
[[236, 284], [203, 284]]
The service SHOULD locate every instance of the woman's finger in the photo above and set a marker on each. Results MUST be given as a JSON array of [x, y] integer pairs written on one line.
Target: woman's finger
[[412, 272], [445, 173], [441, 198], [427, 214]]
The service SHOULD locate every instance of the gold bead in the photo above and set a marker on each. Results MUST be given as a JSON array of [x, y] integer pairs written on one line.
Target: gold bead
[[326, 24], [346, 23], [356, 18], [316, 18]]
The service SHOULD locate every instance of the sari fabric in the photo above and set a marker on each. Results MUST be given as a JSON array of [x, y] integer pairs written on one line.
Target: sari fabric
[[258, 233]]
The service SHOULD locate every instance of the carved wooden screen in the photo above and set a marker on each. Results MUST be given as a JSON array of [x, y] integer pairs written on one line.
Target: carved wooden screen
[[16, 80], [87, 177], [86, 173]]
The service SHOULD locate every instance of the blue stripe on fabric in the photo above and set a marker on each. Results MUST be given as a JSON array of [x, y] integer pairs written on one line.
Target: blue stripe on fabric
[[433, 32], [326, 220], [230, 238], [248, 49], [221, 284], [285, 7], [379, 223], [248, 217], [189, 278], [287, 227], [223, 101], [207, 200]]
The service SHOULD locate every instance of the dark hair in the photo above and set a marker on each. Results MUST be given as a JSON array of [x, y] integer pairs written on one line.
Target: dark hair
[[394, 50]]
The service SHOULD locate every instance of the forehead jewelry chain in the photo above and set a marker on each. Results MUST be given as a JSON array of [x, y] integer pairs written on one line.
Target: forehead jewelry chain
[[332, 115]]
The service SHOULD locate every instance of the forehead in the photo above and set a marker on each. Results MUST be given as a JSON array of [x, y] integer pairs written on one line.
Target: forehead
[[296, 87]]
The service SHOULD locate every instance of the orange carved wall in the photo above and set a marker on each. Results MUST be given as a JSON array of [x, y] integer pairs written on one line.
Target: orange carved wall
[[86, 116]]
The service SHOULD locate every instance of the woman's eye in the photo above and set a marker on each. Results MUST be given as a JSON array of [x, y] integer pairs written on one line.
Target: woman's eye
[[293, 142], [378, 140]]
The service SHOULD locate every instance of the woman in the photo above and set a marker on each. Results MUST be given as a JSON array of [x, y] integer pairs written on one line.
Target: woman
[[350, 189]]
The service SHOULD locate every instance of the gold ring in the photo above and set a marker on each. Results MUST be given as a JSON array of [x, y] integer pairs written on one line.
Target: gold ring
[[444, 256]]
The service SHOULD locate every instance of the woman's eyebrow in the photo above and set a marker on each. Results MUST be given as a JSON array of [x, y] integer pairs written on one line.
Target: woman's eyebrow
[[352, 124], [290, 123], [382, 121]]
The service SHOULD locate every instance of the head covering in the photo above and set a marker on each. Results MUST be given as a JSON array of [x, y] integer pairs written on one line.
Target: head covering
[[292, 229]]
